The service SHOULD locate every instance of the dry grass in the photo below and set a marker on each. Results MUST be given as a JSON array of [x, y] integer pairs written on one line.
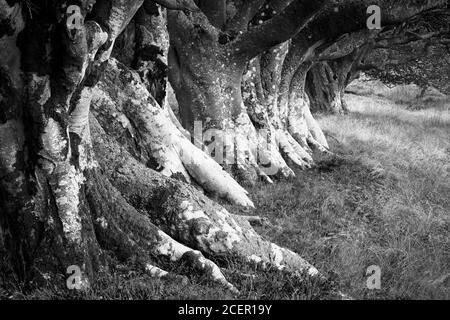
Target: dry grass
[[385, 203]]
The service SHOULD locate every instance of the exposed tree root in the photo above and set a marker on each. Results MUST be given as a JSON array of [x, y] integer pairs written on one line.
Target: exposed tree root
[[263, 110], [187, 215], [178, 209], [302, 125], [254, 220], [123, 230], [121, 100]]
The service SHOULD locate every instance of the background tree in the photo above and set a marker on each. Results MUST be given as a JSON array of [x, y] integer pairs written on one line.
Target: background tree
[[415, 51]]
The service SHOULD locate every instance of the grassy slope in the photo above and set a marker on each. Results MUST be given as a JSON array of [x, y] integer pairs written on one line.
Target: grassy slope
[[385, 201]]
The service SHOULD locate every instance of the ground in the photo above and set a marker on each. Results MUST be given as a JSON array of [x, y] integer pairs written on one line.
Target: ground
[[385, 203], [383, 200]]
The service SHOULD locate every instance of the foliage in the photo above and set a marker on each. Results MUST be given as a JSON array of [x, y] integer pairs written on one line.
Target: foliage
[[416, 52]]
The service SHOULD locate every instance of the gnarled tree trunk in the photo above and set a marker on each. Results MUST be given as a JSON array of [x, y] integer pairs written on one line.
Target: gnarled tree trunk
[[80, 137], [327, 80], [325, 87], [208, 57]]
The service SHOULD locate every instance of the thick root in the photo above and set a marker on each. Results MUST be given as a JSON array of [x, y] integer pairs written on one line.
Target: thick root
[[158, 273], [178, 252], [122, 229], [302, 126], [188, 216], [315, 130], [270, 158], [293, 151], [254, 220], [123, 105], [251, 154]]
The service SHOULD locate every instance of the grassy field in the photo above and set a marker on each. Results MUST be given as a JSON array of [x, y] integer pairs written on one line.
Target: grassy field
[[384, 200]]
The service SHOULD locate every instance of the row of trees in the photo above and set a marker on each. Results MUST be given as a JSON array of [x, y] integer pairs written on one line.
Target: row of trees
[[416, 51], [100, 155]]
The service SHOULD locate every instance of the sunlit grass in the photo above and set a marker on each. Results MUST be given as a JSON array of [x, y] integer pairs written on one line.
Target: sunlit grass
[[386, 203]]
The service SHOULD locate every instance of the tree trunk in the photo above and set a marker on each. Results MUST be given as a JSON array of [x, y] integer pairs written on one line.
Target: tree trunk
[[302, 125], [206, 72], [325, 90], [293, 101], [327, 80], [77, 187], [207, 79], [261, 89]]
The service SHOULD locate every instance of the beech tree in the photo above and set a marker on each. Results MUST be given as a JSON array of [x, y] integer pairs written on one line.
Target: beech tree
[[415, 51], [93, 162], [211, 48]]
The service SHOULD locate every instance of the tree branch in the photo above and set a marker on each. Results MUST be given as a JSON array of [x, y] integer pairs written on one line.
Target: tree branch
[[280, 28], [246, 12], [343, 29], [215, 10], [178, 4]]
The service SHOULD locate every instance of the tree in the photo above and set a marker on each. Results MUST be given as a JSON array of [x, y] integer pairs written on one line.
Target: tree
[[212, 47], [93, 168], [74, 191], [414, 52]]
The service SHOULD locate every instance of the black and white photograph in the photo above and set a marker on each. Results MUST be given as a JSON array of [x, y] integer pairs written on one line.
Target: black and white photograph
[[224, 155]]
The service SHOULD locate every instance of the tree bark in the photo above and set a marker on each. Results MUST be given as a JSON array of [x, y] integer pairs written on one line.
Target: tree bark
[[327, 80], [207, 82], [293, 102], [77, 188], [325, 86], [262, 92], [207, 60]]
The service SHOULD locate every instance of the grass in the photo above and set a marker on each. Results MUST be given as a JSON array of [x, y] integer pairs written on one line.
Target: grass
[[123, 282], [385, 200]]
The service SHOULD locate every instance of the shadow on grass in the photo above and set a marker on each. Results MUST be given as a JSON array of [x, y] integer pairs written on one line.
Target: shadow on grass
[[129, 282], [413, 121], [383, 201]]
